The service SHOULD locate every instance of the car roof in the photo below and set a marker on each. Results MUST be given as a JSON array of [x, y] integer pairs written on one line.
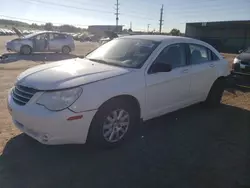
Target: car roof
[[178, 39], [157, 38], [41, 32], [166, 38]]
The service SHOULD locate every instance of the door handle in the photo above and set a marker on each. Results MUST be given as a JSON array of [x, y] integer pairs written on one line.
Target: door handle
[[185, 71], [211, 65]]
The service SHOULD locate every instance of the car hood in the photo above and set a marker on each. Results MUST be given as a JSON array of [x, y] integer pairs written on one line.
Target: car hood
[[18, 33], [67, 73], [244, 57]]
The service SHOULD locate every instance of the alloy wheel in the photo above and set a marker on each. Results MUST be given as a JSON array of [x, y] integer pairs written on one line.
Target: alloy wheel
[[116, 125]]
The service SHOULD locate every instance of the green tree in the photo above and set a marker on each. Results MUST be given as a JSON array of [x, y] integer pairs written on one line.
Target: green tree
[[48, 26], [34, 25], [175, 32]]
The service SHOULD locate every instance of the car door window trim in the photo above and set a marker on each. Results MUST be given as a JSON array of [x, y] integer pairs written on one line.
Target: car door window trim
[[169, 45], [210, 54]]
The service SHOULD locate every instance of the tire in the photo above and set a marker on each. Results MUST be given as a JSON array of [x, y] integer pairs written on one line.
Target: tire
[[26, 50], [104, 127], [215, 93], [66, 50]]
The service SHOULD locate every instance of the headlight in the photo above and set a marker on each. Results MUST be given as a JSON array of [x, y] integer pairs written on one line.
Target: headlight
[[59, 100], [236, 60]]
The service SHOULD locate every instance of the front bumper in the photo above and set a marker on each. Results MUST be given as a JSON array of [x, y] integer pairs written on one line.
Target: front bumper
[[50, 127], [10, 47], [241, 79]]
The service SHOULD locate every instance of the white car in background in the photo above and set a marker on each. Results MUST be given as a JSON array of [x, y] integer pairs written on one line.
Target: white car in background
[[100, 98], [44, 41]]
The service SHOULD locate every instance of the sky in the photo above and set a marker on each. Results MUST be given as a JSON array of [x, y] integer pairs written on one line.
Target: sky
[[139, 12]]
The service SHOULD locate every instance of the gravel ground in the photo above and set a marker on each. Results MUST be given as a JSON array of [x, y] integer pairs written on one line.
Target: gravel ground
[[193, 147]]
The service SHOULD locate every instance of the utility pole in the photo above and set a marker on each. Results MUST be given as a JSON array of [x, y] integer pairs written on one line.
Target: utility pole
[[148, 27], [117, 14], [131, 25], [161, 20]]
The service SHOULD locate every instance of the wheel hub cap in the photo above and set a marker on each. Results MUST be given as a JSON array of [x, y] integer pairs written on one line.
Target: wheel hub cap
[[116, 125]]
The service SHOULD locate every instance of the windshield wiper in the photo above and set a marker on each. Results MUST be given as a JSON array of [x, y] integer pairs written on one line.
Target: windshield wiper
[[105, 62], [98, 60], [81, 56]]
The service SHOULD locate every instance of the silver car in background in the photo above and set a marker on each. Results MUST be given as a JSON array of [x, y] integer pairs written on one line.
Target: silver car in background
[[46, 41]]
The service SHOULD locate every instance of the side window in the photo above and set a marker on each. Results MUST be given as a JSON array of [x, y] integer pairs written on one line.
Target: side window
[[51, 36], [198, 54], [174, 55], [58, 36], [214, 56], [41, 36]]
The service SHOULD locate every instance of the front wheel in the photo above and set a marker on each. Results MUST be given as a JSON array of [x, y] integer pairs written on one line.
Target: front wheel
[[26, 50], [215, 93], [112, 124]]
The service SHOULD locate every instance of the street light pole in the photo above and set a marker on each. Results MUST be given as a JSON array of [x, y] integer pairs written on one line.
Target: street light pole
[[148, 27]]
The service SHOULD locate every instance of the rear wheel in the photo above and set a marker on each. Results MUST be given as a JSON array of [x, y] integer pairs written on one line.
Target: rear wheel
[[112, 124], [66, 50], [215, 93], [26, 50]]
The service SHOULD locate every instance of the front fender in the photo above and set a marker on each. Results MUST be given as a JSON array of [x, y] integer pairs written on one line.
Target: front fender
[[25, 42], [223, 69], [95, 94]]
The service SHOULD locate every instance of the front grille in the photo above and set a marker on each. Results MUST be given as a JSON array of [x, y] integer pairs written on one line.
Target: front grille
[[21, 94], [245, 63]]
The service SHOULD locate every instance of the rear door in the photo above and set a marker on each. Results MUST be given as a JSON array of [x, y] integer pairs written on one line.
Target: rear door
[[203, 71], [168, 91], [56, 41]]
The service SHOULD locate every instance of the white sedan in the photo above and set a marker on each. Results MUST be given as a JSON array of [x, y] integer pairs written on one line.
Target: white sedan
[[100, 98]]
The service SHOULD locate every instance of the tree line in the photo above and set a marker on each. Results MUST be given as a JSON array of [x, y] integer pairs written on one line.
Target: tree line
[[63, 28], [47, 26]]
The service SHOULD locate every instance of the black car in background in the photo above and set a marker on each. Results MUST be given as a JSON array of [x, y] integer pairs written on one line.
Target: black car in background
[[241, 69]]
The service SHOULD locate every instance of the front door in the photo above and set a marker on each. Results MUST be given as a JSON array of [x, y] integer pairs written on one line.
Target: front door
[[40, 42], [168, 91]]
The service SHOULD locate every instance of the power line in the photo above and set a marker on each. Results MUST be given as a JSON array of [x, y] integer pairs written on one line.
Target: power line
[[191, 11], [138, 17], [92, 3], [218, 7], [86, 9], [161, 20], [131, 12], [69, 6]]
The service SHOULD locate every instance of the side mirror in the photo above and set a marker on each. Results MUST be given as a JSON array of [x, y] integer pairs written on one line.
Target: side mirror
[[240, 51], [160, 67]]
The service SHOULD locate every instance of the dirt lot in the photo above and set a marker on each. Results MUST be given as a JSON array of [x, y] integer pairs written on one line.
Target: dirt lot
[[193, 147]]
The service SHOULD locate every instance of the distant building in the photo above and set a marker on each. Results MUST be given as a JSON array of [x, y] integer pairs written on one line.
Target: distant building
[[226, 36], [99, 30]]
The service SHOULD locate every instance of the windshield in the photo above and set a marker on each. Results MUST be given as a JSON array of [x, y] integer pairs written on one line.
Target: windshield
[[124, 52], [30, 35]]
